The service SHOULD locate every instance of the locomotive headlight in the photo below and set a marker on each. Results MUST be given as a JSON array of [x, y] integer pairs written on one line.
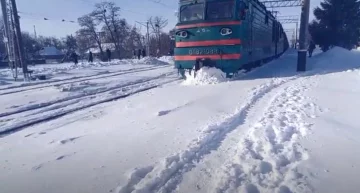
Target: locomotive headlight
[[182, 34], [225, 31]]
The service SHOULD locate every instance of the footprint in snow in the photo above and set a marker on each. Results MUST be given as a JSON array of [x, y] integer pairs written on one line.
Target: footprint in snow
[[65, 141], [42, 133], [251, 188], [284, 189], [64, 156], [28, 135], [162, 113], [265, 167], [61, 157], [38, 167]]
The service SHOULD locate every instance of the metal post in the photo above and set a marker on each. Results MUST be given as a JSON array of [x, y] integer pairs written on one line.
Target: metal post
[[19, 40], [296, 34], [148, 39], [302, 52], [159, 37], [6, 25], [35, 32]]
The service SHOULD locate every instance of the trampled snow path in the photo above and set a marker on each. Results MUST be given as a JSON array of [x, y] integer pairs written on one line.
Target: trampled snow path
[[33, 114], [167, 176], [284, 124], [57, 82], [267, 159]]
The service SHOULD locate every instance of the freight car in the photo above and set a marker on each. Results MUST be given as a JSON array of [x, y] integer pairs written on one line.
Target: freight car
[[227, 34]]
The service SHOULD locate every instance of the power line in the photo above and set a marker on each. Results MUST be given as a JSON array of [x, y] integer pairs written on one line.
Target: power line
[[92, 4], [281, 3], [161, 3], [38, 17]]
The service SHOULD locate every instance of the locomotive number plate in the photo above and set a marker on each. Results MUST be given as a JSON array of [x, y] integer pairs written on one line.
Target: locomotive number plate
[[206, 51]]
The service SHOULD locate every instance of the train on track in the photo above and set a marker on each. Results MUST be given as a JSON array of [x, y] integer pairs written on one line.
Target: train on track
[[230, 35]]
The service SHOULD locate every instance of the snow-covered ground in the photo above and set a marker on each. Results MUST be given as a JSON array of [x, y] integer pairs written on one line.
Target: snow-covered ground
[[271, 130], [69, 71]]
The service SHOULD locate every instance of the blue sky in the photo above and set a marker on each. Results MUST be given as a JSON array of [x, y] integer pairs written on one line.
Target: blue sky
[[32, 13]]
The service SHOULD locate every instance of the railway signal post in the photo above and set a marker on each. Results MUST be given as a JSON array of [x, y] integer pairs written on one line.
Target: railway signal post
[[304, 25]]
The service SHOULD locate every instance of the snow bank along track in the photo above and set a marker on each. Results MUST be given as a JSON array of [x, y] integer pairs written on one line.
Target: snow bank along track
[[16, 120], [39, 85]]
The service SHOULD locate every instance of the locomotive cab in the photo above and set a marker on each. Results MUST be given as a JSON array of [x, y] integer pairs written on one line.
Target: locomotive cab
[[208, 34], [227, 34]]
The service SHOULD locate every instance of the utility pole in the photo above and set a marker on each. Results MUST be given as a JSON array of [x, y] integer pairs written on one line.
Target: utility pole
[[6, 24], [296, 34], [9, 37], [159, 43], [147, 36], [19, 40], [304, 25], [35, 32]]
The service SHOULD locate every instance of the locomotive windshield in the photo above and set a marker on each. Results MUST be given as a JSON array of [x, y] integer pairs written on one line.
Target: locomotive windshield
[[192, 12], [220, 10]]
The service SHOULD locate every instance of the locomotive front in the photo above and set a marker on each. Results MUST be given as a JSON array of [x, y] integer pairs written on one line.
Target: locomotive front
[[209, 34]]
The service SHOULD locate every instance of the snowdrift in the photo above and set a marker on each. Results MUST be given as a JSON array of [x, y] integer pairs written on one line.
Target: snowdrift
[[152, 61], [336, 59], [206, 76], [147, 61], [167, 59]]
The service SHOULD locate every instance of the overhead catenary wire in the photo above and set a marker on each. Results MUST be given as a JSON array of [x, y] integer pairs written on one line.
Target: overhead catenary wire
[[161, 3], [92, 3], [34, 16]]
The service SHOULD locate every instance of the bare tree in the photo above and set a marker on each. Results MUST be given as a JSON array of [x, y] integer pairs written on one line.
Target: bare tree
[[70, 43], [50, 41], [88, 28], [157, 25], [108, 13], [132, 42], [84, 41]]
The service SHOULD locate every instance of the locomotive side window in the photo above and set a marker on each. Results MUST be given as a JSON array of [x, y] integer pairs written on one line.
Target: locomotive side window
[[192, 12], [220, 10]]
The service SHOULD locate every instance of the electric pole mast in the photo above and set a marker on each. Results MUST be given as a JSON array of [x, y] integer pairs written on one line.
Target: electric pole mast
[[9, 37], [6, 24], [19, 39]]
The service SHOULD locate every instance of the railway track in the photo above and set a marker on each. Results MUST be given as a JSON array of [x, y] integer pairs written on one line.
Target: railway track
[[22, 88], [11, 122]]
